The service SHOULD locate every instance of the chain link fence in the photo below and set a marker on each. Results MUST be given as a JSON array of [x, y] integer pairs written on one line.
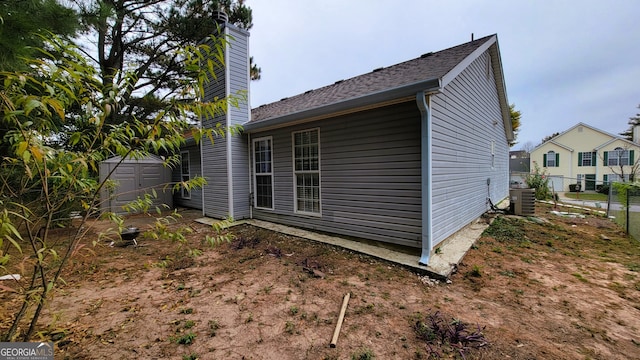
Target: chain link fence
[[624, 206]]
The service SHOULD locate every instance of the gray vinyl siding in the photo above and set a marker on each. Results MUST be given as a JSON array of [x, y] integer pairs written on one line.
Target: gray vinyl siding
[[229, 81], [241, 192], [238, 67], [214, 156], [214, 169], [369, 176], [195, 202], [466, 118]]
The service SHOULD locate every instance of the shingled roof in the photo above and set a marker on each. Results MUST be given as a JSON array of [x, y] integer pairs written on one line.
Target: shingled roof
[[409, 76]]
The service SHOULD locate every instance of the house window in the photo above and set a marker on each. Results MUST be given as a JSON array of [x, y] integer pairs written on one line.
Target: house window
[[551, 159], [587, 159], [617, 157], [611, 178], [263, 173], [185, 173], [306, 171]]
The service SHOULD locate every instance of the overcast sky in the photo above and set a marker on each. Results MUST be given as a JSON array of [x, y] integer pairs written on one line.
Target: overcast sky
[[564, 61]]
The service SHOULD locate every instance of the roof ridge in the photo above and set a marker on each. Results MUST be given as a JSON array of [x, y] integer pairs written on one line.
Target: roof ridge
[[432, 65]]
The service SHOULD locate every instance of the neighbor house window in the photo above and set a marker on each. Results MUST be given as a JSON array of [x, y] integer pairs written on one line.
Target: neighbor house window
[[263, 173], [185, 173], [306, 171], [611, 178], [551, 159], [618, 157], [586, 159]]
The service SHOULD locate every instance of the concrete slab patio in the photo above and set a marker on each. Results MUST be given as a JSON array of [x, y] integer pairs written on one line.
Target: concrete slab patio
[[443, 262]]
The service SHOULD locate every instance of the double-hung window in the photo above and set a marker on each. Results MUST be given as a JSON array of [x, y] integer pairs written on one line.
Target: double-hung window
[[551, 159], [306, 171], [185, 173], [263, 173], [587, 158], [618, 157]]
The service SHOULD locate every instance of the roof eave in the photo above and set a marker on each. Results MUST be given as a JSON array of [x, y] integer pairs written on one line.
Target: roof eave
[[361, 102]]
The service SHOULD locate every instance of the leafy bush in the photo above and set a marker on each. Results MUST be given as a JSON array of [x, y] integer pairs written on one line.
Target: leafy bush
[[603, 189], [539, 180]]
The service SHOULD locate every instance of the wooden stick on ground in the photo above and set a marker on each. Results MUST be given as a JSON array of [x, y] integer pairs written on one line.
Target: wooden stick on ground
[[336, 332]]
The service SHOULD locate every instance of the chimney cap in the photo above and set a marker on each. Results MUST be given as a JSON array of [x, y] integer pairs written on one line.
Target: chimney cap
[[220, 17]]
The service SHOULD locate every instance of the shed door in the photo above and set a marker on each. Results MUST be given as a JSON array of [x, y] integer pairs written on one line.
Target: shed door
[[556, 183], [127, 186]]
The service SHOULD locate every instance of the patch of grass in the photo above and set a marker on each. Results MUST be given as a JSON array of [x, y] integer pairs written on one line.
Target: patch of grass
[[192, 356], [580, 277], [518, 292], [634, 267], [505, 230], [528, 260], [189, 324], [366, 309], [214, 325], [497, 250], [476, 271], [363, 354], [294, 310], [587, 196], [508, 273], [186, 339], [186, 311], [289, 328]]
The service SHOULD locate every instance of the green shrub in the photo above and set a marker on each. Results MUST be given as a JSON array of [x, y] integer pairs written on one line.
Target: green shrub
[[539, 180]]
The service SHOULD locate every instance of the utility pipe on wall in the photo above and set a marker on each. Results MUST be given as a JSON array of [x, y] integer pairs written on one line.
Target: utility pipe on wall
[[424, 105]]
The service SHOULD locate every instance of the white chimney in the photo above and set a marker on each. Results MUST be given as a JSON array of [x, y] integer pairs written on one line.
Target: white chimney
[[636, 134]]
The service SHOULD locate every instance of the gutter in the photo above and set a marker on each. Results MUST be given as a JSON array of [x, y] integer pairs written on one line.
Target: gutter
[[424, 105], [346, 105]]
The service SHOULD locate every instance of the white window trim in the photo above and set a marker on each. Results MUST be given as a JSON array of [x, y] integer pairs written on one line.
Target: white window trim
[[255, 181], [554, 159], [185, 194], [584, 153], [618, 158], [294, 173]]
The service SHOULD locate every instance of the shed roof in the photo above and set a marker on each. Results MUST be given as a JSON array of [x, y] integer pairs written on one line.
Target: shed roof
[[424, 73], [149, 159]]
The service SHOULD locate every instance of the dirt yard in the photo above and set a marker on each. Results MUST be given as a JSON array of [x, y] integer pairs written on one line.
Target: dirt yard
[[556, 288]]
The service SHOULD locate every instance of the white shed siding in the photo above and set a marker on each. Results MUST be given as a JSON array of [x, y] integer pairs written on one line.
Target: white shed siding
[[369, 176], [466, 121]]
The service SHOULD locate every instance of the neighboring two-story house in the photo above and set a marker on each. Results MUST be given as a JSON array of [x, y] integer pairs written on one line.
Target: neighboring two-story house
[[588, 157]]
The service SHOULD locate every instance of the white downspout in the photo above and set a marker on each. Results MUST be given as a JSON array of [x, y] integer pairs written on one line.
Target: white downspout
[[202, 172], [424, 105], [250, 176]]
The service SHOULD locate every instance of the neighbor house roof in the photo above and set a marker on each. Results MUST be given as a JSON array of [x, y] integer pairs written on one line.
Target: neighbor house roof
[[596, 147], [429, 73]]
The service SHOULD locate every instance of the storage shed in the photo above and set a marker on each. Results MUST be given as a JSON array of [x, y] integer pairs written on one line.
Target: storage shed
[[134, 178]]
